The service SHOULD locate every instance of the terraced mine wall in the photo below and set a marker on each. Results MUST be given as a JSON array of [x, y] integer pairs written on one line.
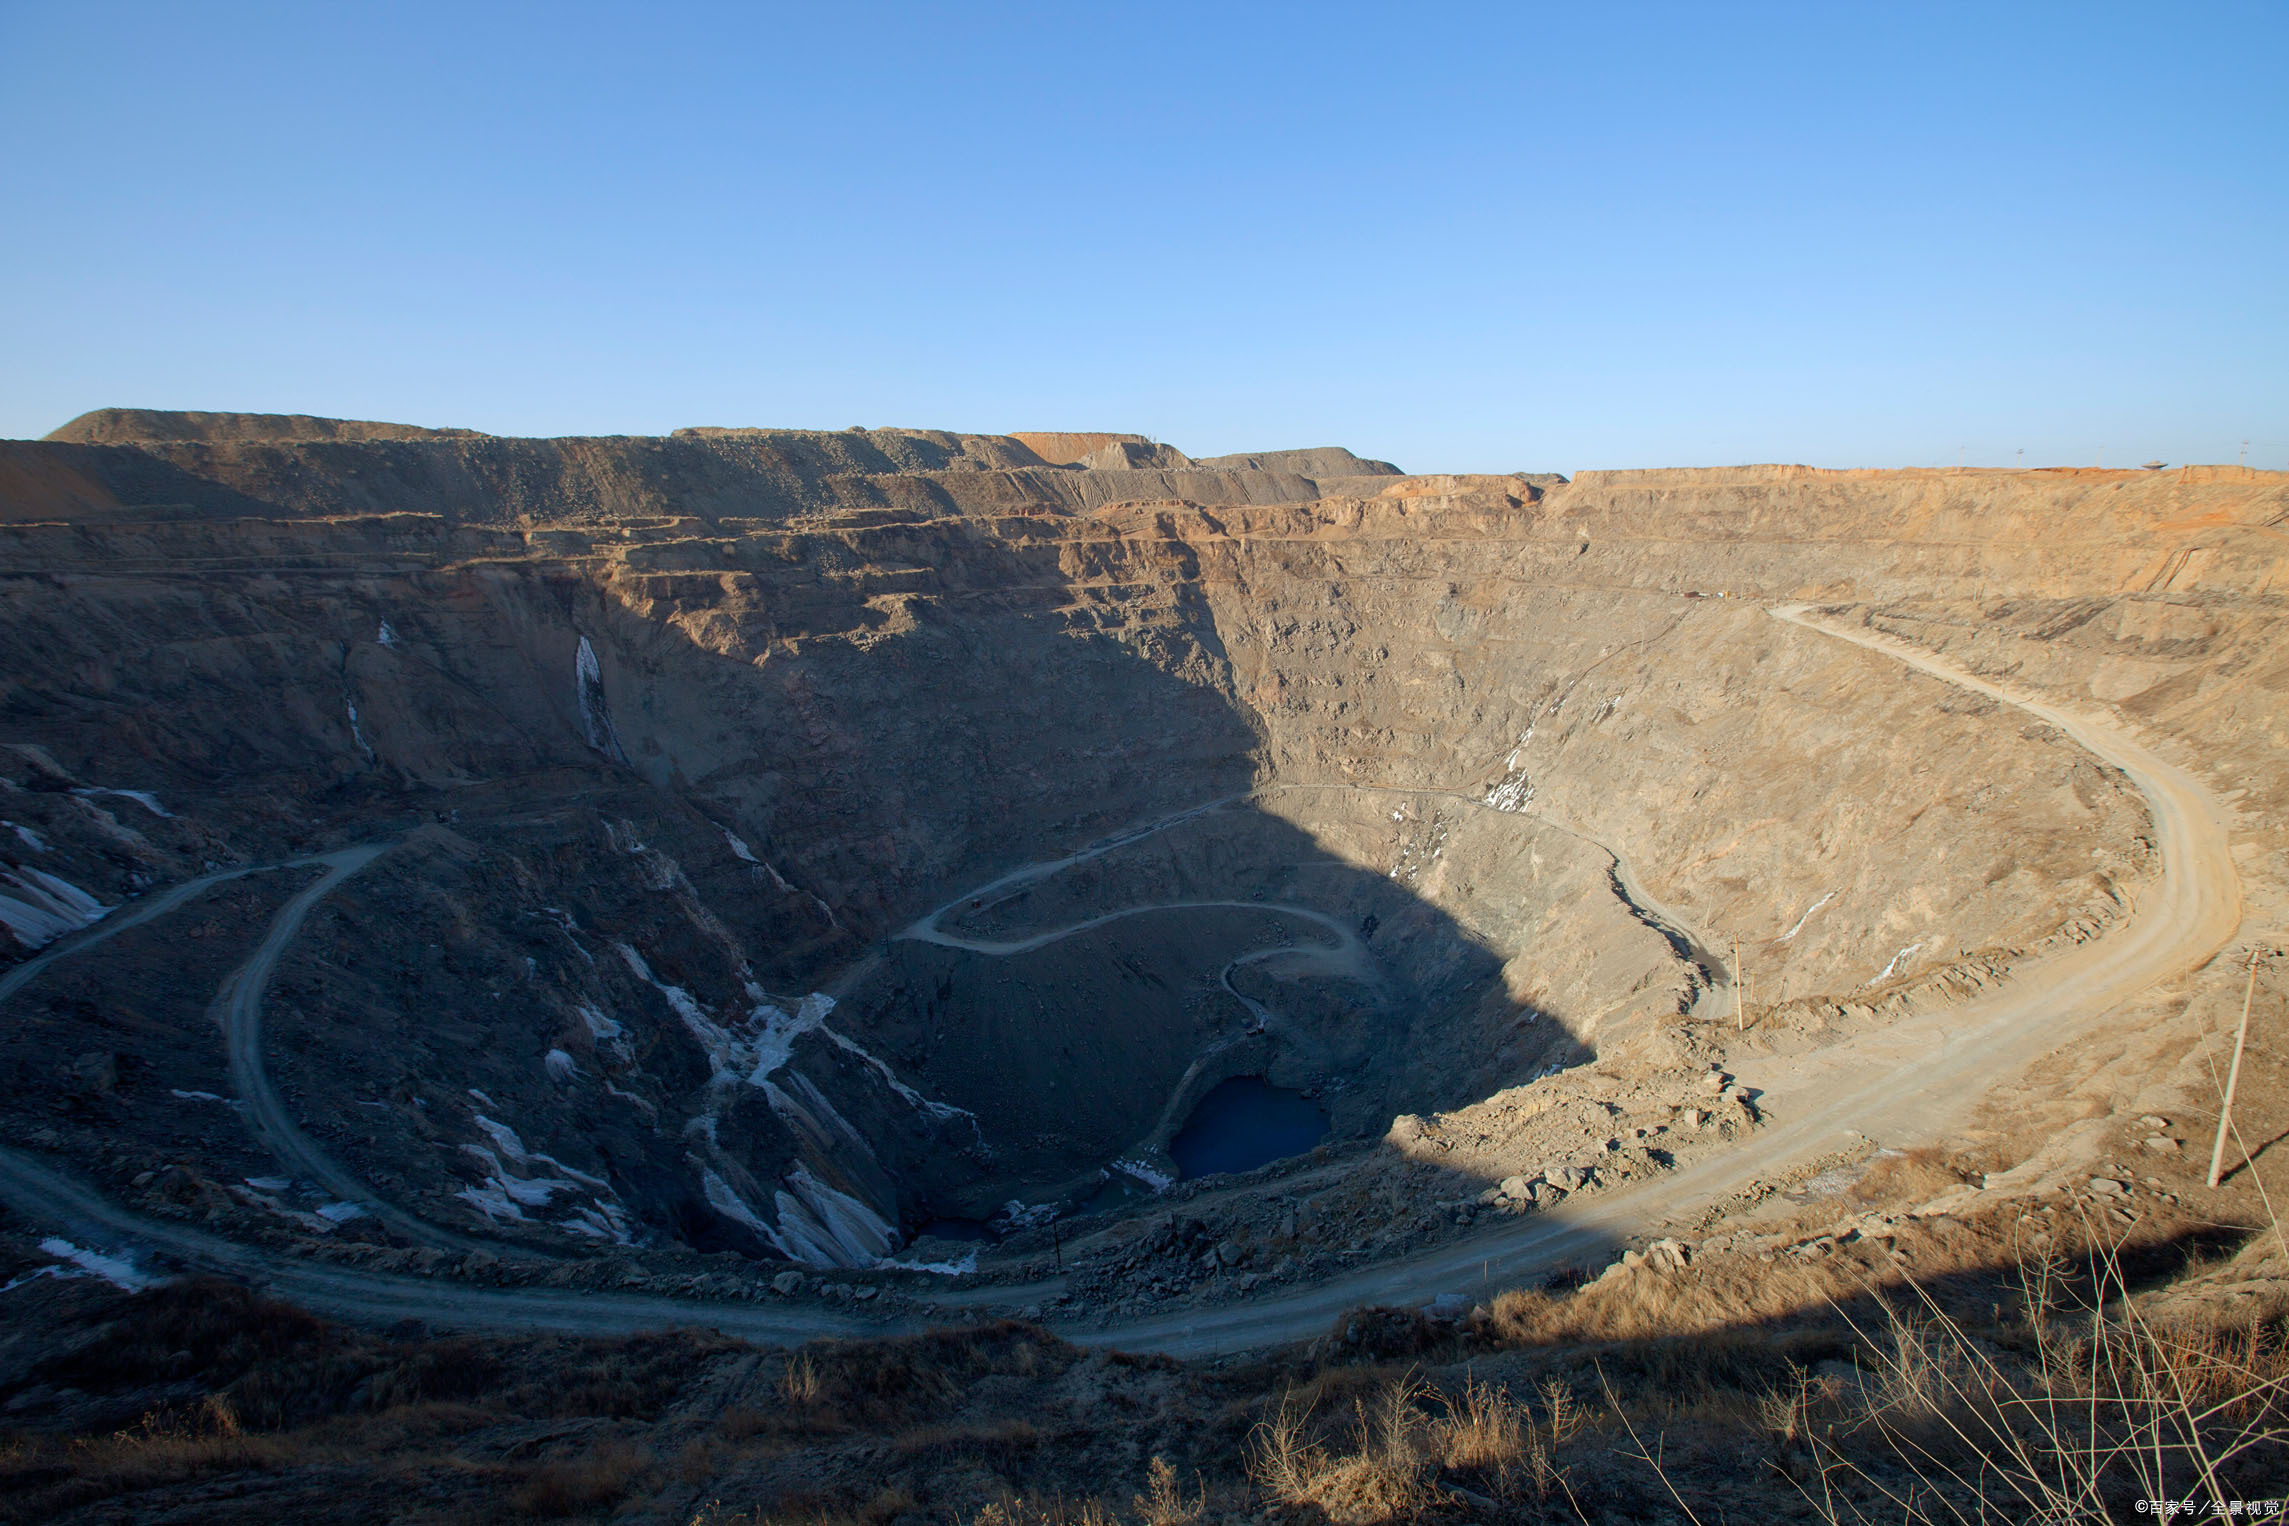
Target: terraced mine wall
[[710, 770]]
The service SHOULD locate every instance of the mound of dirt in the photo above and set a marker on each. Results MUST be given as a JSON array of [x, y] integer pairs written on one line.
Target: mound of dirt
[[148, 426]]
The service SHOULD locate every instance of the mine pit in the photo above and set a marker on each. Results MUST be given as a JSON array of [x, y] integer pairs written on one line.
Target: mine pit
[[885, 868]]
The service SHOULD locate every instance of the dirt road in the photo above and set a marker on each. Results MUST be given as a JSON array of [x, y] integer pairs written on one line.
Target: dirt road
[[237, 1010]]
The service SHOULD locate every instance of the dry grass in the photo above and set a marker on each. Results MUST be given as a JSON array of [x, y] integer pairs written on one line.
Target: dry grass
[[2107, 1410], [1409, 1448], [39, 1479], [885, 1505], [577, 1485], [1164, 1504]]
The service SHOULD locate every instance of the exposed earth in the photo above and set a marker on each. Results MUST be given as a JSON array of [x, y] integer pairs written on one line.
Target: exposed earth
[[794, 884]]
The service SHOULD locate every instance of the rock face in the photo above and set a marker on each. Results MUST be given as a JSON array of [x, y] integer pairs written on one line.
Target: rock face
[[797, 836]]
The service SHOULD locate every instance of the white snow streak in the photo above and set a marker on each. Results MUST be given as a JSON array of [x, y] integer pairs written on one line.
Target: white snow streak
[[141, 797], [386, 635], [1808, 911], [32, 839], [595, 719], [367, 747], [1886, 972]]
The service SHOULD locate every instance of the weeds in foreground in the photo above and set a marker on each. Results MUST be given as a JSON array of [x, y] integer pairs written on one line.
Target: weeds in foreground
[[1164, 1504], [1411, 1448], [2097, 1410]]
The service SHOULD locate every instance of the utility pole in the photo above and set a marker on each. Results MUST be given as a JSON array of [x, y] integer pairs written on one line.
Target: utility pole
[[2233, 1076], [2245, 453], [1740, 1021], [2022, 465]]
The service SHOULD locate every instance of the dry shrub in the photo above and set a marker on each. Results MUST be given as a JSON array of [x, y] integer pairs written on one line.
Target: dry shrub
[[799, 1384], [993, 1440], [884, 1383], [1483, 1430], [1720, 1292], [1056, 1511], [741, 1422], [885, 1505], [1912, 1176], [2101, 1410], [574, 1485], [44, 1477], [1163, 1503], [1386, 1473]]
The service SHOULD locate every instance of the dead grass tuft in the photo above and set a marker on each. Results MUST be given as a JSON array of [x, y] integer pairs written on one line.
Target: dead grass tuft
[[1164, 1503], [577, 1485]]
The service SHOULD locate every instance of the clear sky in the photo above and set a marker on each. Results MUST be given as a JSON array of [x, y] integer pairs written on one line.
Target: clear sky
[[1461, 237]]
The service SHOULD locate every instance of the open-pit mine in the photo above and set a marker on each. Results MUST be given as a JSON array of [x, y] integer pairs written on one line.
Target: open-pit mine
[[800, 883]]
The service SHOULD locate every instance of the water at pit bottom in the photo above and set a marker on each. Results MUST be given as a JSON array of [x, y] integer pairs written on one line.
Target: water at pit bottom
[[1244, 1123]]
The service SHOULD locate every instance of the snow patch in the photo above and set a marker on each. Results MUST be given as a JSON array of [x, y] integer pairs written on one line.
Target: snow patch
[[1515, 791], [595, 718], [116, 1270], [387, 635], [42, 908], [269, 1183], [200, 1096], [1143, 1171], [32, 839], [561, 1067], [340, 1213], [966, 1265], [141, 797]]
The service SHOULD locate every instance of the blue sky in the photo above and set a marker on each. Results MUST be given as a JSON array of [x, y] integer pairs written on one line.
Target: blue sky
[[1519, 237]]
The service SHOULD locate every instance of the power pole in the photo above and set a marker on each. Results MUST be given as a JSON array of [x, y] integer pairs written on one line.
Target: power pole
[[2233, 1076], [1740, 1020], [2022, 466], [2245, 453]]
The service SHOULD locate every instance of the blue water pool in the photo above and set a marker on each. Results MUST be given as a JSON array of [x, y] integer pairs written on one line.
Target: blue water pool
[[1244, 1123]]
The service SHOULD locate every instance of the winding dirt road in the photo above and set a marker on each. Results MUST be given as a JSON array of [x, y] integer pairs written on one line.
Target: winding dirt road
[[237, 1010], [1906, 1082]]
